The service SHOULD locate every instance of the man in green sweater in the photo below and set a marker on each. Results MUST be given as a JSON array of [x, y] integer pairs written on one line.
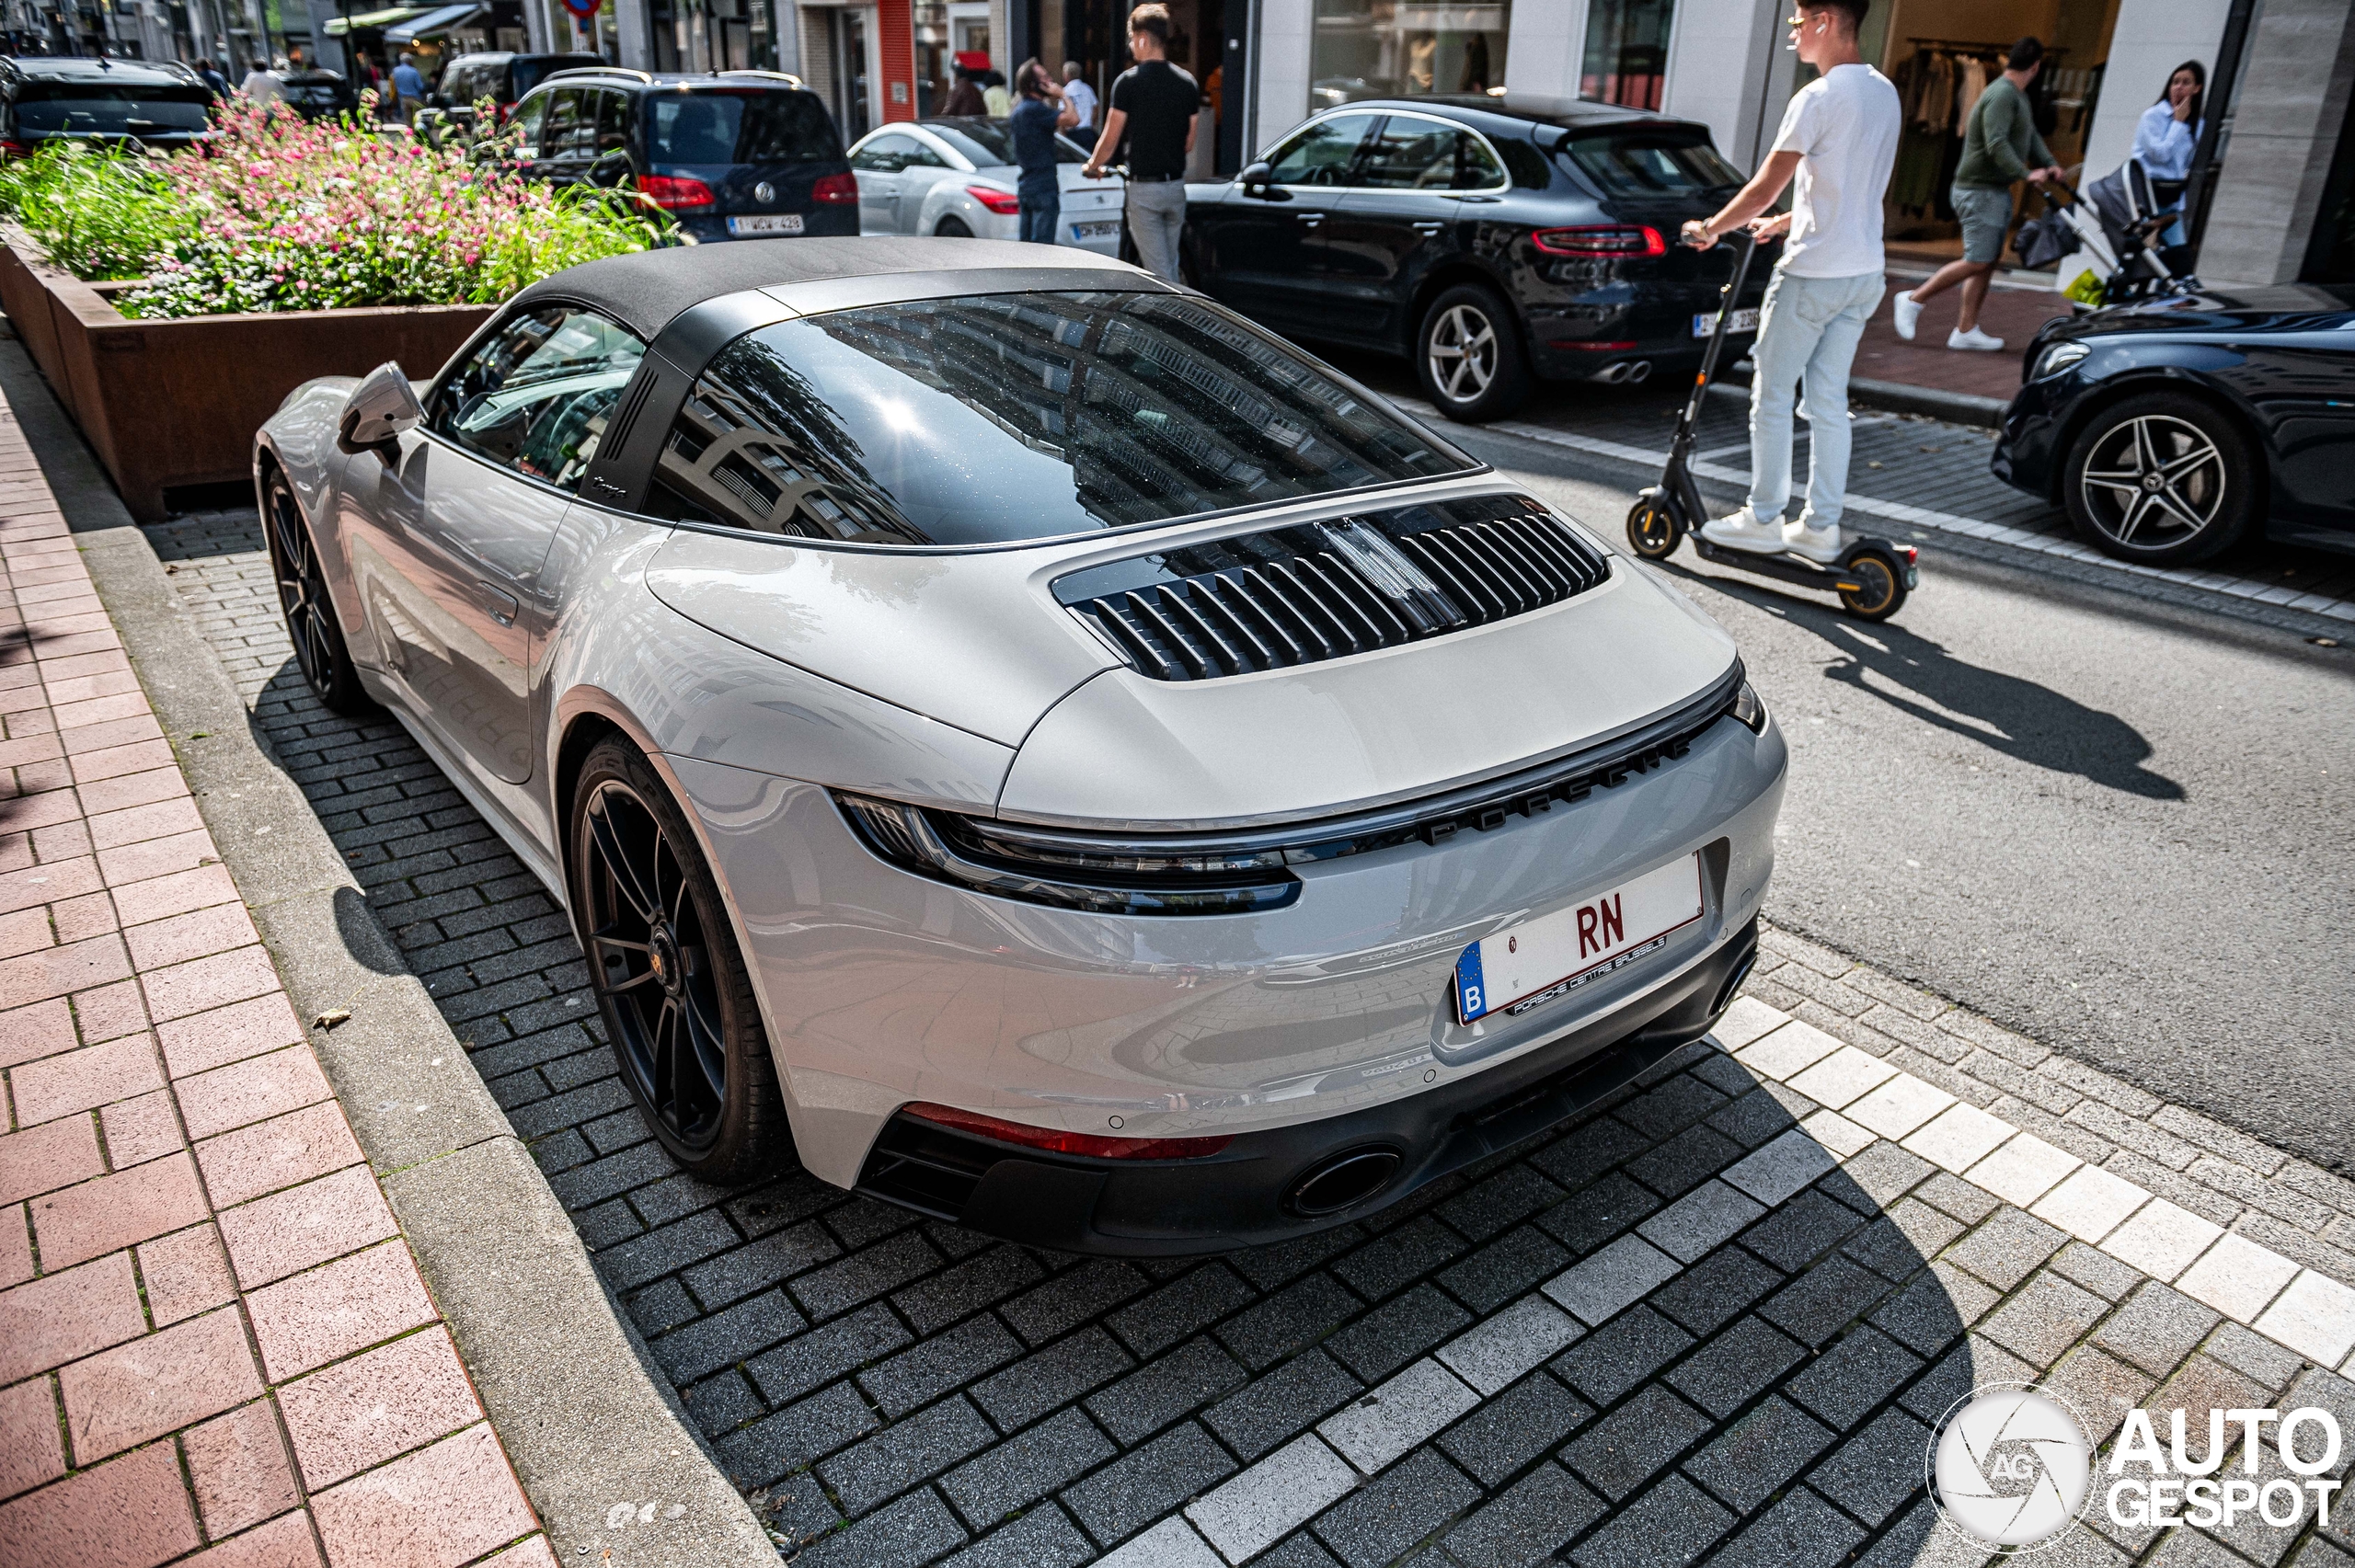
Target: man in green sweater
[[2000, 148]]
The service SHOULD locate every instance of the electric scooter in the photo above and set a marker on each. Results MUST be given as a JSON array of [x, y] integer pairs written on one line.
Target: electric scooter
[[1872, 576]]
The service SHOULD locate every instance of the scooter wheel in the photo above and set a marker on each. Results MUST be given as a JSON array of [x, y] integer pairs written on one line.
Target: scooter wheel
[[1881, 585], [1652, 530]]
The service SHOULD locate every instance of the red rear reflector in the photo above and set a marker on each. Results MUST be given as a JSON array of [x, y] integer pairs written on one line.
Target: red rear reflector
[[676, 192], [1601, 239], [836, 189], [1002, 202], [1086, 1143]]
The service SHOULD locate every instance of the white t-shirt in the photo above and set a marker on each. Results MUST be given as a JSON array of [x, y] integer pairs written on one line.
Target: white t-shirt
[[1844, 127], [1081, 97]]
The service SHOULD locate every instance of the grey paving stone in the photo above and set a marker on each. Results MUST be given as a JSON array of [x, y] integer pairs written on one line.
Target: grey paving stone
[[1676, 1104], [963, 1289], [1300, 1551], [1057, 1375], [1625, 1449], [1822, 1301], [2100, 1389], [1273, 1407], [1800, 1531], [657, 1253], [722, 1403], [2008, 1248], [1070, 1298], [1845, 1382], [1507, 1431], [2096, 1271], [826, 1353], [725, 1338], [795, 1511], [1967, 1203], [1934, 1309], [1043, 1537], [2254, 1356], [915, 1529], [1268, 1267], [1621, 1354], [1188, 1304], [1669, 1526], [1751, 1459], [1758, 1118], [971, 1350], [661, 1307], [1160, 1391], [1896, 1245], [1300, 1314], [2156, 1328], [1508, 1266], [862, 1276], [1685, 1162], [1026, 1468], [1406, 1503], [905, 1454], [1580, 1155], [1801, 1231], [1527, 1524], [1878, 1470], [1733, 1368], [1594, 1216], [1695, 1224], [794, 1436], [780, 1204], [863, 1220], [1717, 1289], [1509, 1196], [2044, 1319], [1885, 1172], [1125, 1496], [1388, 1337], [1919, 1539], [1397, 1258]]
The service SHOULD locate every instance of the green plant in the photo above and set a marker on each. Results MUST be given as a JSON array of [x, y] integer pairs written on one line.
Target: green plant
[[99, 213]]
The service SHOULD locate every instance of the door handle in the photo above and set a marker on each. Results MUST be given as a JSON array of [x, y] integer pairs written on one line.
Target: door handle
[[1428, 226], [1311, 219], [503, 606]]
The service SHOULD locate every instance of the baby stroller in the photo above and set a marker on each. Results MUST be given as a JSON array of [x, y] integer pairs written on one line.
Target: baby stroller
[[2116, 223]]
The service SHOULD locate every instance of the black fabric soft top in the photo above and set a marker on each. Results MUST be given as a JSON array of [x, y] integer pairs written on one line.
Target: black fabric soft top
[[647, 290]]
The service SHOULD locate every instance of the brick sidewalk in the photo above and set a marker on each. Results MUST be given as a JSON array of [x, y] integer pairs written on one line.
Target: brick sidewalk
[[214, 1344], [2012, 315]]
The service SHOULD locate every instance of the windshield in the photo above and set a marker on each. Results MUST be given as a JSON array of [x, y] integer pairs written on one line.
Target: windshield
[[1654, 160], [988, 143], [79, 110], [529, 74], [740, 126], [1011, 417]]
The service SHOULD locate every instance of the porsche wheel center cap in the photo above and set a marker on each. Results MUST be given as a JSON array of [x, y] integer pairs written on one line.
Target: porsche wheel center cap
[[664, 952]]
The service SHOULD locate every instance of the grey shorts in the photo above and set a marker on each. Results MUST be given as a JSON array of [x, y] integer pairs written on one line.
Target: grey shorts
[[1986, 215]]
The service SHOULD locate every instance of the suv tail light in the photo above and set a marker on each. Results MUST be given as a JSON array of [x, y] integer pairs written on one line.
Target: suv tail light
[[1002, 202], [1092, 1145], [676, 192], [1601, 239], [836, 189]]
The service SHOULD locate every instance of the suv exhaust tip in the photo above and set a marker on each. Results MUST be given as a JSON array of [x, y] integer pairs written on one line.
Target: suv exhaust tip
[[1342, 1181]]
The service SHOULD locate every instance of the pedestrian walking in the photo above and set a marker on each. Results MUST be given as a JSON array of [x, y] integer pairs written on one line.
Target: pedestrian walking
[[1078, 93], [1153, 107], [1041, 112], [408, 87], [1835, 147], [214, 82], [1997, 150], [999, 102], [260, 85]]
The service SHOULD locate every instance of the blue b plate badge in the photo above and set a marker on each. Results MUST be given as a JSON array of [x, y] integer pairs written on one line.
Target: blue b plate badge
[[1537, 961]]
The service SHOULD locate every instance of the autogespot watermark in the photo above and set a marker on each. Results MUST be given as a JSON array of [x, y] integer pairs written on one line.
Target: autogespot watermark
[[2011, 1466]]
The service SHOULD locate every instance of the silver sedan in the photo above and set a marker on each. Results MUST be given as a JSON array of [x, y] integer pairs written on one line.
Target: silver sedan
[[1030, 744], [956, 176]]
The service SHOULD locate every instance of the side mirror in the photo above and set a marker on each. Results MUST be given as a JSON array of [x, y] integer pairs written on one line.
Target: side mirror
[[382, 406], [1259, 180]]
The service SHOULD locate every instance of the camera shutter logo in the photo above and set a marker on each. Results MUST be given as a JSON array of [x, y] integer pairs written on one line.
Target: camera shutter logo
[[2011, 1466]]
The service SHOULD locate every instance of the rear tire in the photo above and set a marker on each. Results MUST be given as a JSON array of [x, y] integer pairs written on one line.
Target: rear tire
[[1468, 355], [952, 228], [1880, 590], [2207, 488], [671, 987], [303, 600]]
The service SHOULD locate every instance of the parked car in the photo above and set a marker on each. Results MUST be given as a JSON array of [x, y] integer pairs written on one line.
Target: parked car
[[318, 95], [2172, 429], [45, 98], [1492, 240], [1028, 743], [731, 154], [956, 176], [501, 77]]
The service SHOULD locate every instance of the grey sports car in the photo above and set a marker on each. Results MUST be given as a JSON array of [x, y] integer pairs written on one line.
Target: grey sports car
[[1027, 743]]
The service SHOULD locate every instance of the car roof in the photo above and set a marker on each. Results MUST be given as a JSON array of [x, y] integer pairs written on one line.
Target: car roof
[[647, 290], [68, 68], [1528, 109], [623, 77]]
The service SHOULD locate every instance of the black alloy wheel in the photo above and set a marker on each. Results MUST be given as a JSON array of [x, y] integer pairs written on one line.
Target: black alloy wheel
[[952, 228], [670, 983], [2161, 478], [303, 598], [1468, 355]]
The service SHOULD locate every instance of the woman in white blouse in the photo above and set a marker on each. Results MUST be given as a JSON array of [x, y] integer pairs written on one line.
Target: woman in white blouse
[[2169, 129]]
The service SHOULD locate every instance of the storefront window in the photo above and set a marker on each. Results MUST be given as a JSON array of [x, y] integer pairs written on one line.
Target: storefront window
[[1366, 48], [1626, 51]]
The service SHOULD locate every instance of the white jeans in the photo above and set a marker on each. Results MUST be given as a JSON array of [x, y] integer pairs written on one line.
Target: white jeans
[[1807, 326], [1156, 217]]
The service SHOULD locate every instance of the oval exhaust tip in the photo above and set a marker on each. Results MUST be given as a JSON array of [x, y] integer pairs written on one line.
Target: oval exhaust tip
[[1641, 370], [1342, 1181]]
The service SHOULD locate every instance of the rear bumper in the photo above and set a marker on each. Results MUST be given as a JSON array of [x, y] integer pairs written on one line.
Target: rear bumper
[[1246, 1195], [833, 219]]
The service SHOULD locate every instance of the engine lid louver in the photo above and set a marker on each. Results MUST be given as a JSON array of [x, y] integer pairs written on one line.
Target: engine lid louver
[[1324, 591]]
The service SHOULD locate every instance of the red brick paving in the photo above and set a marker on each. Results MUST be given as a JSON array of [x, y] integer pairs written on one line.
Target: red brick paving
[[167, 1136], [2012, 315]]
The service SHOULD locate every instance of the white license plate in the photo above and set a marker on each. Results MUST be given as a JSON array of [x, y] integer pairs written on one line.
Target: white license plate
[[766, 223], [1706, 322], [1537, 961], [1096, 231]]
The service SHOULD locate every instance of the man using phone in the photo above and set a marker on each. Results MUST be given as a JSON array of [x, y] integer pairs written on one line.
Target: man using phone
[[1837, 144]]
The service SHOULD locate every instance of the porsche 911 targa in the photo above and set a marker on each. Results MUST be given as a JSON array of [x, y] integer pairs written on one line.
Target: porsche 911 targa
[[1030, 744]]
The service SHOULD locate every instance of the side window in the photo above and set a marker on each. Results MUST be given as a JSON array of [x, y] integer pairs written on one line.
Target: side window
[[1528, 165], [572, 126], [1410, 154], [1322, 154], [887, 154], [1476, 167], [531, 121], [612, 122], [535, 398], [921, 156]]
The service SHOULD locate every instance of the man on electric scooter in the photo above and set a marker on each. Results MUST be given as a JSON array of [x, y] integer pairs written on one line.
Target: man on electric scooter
[[1838, 140]]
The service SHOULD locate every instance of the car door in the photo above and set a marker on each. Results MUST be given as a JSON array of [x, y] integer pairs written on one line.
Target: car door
[[1420, 181], [569, 144], [530, 125], [462, 526], [1261, 249], [880, 165], [927, 167]]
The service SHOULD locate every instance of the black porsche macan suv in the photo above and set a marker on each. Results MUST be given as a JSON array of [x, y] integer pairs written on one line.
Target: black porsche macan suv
[[1494, 240]]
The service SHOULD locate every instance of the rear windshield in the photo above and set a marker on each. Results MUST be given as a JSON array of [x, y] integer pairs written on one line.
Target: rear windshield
[[1660, 160], [988, 144], [738, 125], [76, 110], [1010, 418]]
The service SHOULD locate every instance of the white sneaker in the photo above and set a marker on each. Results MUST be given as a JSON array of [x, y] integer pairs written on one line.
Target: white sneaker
[[1822, 546], [1974, 338], [1743, 531], [1909, 314]]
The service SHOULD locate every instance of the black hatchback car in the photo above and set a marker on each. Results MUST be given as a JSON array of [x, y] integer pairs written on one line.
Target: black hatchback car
[[500, 76], [2170, 428], [45, 98], [1493, 240], [736, 155]]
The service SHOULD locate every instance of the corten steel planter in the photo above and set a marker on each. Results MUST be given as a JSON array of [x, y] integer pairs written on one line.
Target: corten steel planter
[[171, 403]]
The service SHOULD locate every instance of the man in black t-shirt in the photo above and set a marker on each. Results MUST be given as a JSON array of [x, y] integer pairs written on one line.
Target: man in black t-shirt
[[1153, 106]]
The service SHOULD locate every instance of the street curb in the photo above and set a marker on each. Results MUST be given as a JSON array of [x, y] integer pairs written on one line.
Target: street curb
[[564, 1376], [1898, 398]]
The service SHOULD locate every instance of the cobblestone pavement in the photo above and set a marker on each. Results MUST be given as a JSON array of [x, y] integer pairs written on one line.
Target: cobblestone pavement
[[1683, 1327]]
